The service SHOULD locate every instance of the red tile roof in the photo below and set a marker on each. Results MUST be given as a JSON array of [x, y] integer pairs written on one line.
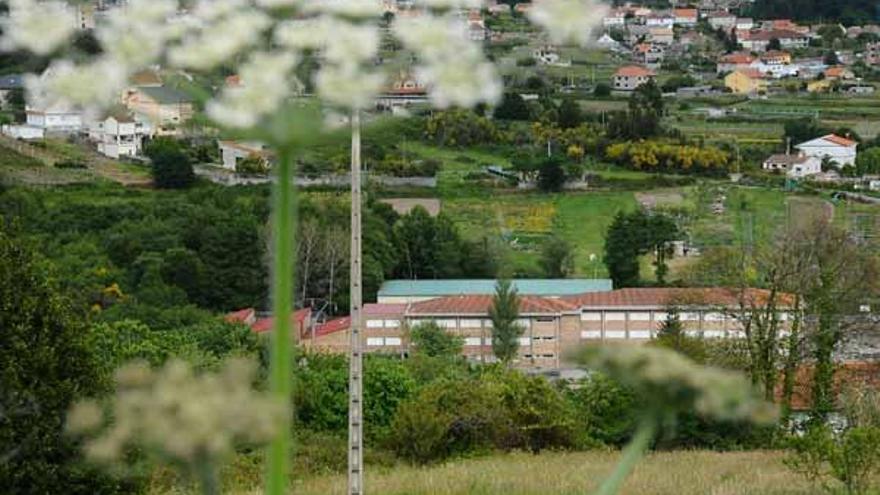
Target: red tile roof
[[751, 73], [842, 141], [297, 318], [654, 297], [686, 13], [634, 71], [737, 58], [480, 304], [246, 316], [344, 323]]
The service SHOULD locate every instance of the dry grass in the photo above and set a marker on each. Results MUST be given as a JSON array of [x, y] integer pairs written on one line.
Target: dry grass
[[667, 473]]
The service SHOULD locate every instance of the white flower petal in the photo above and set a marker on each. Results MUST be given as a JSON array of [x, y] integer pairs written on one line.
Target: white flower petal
[[40, 27], [434, 38], [348, 87], [568, 21], [461, 83], [94, 85], [265, 82], [220, 42], [347, 8]]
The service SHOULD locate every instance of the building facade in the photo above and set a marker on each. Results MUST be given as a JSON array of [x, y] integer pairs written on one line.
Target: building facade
[[552, 326]]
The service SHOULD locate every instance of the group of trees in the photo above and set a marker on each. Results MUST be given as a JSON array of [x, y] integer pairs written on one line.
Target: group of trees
[[659, 156], [848, 12], [635, 234]]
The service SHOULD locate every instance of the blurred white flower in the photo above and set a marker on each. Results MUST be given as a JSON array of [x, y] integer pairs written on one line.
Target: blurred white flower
[[434, 38], [461, 84], [348, 86], [89, 86], [568, 21], [351, 43], [345, 8], [210, 10], [271, 4], [451, 4], [40, 27], [303, 34], [220, 42], [264, 84], [176, 415], [136, 35]]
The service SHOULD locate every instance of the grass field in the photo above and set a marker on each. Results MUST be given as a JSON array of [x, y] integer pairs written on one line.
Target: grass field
[[667, 473]]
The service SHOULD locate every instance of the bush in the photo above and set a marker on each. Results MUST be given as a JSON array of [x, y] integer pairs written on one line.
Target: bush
[[605, 410], [852, 458], [172, 167], [602, 90], [501, 409]]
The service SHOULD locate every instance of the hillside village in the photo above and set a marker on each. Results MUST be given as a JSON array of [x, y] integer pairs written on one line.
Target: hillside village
[[692, 182]]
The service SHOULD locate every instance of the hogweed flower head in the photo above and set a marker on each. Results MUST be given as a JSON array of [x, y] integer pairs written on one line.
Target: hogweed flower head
[[177, 415], [40, 27], [568, 21], [670, 383]]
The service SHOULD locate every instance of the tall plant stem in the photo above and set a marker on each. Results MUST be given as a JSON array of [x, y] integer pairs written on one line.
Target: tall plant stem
[[283, 217], [632, 454]]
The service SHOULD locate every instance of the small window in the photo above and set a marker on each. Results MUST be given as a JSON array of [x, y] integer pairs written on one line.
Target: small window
[[713, 317], [615, 334], [713, 334], [488, 340], [639, 316], [472, 341], [640, 334], [546, 319], [445, 323], [392, 323], [591, 334], [469, 323], [661, 316], [591, 316], [611, 316], [393, 341], [524, 341], [375, 341], [374, 323]]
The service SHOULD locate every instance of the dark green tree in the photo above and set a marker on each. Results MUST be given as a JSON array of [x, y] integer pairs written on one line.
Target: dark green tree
[[556, 257], [172, 168], [636, 234], [551, 175], [673, 336], [643, 117], [512, 107], [602, 90], [505, 329], [569, 114], [45, 365]]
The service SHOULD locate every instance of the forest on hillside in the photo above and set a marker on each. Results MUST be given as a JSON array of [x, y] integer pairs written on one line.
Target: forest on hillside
[[848, 12]]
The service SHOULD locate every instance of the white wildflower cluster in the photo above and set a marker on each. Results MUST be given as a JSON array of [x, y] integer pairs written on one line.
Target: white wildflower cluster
[[568, 21], [669, 383], [265, 40], [453, 68], [40, 27], [177, 415]]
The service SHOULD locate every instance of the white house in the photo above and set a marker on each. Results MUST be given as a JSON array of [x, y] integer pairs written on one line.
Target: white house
[[23, 132], [615, 18], [606, 42], [119, 135], [660, 20], [796, 166], [54, 119], [841, 150], [232, 152]]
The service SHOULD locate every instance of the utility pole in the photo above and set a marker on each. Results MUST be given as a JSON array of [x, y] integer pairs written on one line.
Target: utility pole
[[355, 357]]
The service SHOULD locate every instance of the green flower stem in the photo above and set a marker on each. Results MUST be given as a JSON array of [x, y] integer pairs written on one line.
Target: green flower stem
[[632, 454], [209, 478], [283, 218]]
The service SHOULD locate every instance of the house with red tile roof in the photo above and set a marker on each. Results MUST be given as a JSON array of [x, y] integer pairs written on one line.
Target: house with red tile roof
[[734, 61], [630, 77], [840, 150], [686, 17]]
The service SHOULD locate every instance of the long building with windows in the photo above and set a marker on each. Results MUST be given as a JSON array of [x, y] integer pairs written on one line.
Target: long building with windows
[[553, 325]]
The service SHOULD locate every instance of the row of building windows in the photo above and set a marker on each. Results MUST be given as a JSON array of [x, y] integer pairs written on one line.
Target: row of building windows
[[648, 334], [468, 341]]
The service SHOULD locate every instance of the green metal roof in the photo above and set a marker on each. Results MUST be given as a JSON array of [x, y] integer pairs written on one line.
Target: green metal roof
[[531, 287]]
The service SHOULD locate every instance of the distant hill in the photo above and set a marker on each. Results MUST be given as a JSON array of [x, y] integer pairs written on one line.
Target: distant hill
[[846, 11]]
